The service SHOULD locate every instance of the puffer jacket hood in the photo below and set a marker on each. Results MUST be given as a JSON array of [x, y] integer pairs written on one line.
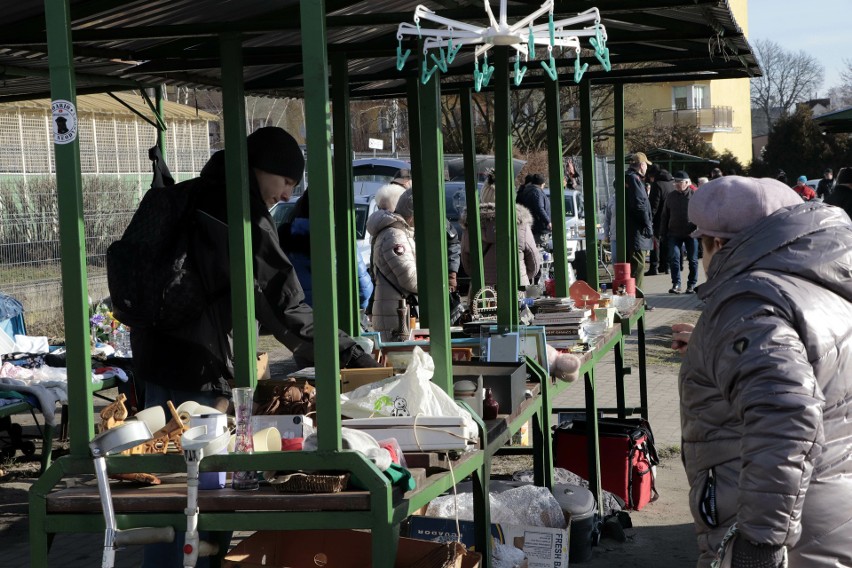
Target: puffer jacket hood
[[529, 258], [488, 212], [766, 246], [766, 389], [381, 220]]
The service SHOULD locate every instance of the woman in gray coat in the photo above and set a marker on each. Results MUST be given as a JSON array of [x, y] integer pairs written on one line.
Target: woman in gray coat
[[766, 384], [394, 261]]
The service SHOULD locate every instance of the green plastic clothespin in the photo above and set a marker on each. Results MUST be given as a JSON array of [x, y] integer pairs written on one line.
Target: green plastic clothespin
[[452, 50], [550, 66], [487, 71], [442, 62], [427, 73], [401, 57], [579, 71], [531, 45], [601, 50], [519, 72], [477, 75]]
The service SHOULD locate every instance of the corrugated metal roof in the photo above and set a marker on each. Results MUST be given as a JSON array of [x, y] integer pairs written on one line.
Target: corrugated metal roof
[[175, 41], [104, 104]]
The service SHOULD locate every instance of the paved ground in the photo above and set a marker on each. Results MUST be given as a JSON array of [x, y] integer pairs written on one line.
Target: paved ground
[[662, 537]]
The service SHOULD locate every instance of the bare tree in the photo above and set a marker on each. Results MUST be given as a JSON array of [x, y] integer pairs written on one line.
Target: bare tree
[[841, 95], [788, 78]]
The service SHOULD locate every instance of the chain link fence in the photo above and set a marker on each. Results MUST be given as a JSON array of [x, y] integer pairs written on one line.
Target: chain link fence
[[116, 172]]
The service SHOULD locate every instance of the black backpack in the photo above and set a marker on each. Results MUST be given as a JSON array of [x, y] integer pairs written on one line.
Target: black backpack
[[149, 271]]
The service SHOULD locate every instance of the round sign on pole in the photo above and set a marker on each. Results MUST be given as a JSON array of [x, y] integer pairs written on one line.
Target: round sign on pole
[[64, 121]]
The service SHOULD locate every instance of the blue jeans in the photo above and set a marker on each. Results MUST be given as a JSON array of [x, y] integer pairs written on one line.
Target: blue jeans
[[170, 554], [691, 245]]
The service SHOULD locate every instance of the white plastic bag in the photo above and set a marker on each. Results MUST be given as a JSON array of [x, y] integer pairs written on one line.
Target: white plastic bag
[[410, 394]]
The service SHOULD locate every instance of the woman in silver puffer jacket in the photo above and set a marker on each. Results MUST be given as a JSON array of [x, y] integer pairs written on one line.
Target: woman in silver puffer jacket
[[766, 384]]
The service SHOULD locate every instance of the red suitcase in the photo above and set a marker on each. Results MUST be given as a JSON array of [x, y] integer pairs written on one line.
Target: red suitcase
[[627, 457]]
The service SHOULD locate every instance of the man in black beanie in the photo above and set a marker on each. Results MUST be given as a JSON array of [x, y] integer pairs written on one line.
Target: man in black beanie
[[194, 361]]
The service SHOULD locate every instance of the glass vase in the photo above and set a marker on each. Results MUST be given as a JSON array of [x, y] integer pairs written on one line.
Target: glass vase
[[243, 443]]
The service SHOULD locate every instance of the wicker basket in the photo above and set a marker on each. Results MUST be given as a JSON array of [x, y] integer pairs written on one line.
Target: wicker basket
[[310, 482]]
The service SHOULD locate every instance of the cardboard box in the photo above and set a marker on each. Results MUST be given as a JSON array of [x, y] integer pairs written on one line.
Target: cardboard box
[[507, 381], [351, 379], [544, 547], [335, 548]]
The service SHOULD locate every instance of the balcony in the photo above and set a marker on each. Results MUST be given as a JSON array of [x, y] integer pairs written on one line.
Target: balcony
[[711, 119]]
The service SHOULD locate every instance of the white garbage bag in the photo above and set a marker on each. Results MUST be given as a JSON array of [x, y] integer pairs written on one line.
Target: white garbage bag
[[410, 394]]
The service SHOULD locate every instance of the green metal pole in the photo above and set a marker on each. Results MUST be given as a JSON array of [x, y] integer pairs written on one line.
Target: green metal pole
[[344, 199], [507, 246], [557, 193], [69, 188], [477, 279], [590, 205], [161, 134], [318, 121], [239, 223], [431, 233], [620, 211], [417, 180]]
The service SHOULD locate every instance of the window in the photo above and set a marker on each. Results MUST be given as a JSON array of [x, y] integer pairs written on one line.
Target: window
[[680, 98], [690, 97]]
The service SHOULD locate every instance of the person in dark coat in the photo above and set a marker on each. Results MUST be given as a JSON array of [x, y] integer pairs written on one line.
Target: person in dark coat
[[841, 195], [661, 186], [826, 184], [194, 361], [295, 239], [640, 229], [532, 197], [675, 228]]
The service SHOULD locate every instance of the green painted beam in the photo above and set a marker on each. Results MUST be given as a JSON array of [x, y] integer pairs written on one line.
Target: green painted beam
[[587, 149], [507, 243], [239, 223], [69, 187], [158, 101], [344, 200], [430, 233], [477, 277], [418, 167], [318, 121], [557, 194], [620, 197]]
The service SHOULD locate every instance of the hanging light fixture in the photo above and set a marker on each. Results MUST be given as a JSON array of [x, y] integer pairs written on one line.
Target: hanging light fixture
[[523, 36]]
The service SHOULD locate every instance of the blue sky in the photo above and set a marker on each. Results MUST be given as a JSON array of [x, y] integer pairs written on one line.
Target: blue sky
[[819, 27]]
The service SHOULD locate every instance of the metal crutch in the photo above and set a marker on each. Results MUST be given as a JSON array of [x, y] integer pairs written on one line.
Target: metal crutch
[[197, 444], [109, 442]]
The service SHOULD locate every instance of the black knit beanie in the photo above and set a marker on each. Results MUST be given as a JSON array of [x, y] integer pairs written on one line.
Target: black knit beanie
[[275, 151]]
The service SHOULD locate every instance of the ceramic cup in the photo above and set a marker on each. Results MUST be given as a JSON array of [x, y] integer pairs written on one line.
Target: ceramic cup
[[267, 440], [154, 417]]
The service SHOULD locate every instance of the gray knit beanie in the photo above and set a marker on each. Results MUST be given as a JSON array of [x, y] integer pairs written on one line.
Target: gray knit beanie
[[405, 205]]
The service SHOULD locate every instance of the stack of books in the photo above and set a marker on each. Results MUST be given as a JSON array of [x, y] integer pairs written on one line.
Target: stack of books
[[562, 324]]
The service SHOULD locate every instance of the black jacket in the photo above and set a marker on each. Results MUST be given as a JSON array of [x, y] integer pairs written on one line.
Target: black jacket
[[639, 224], [824, 188], [662, 186], [534, 199], [199, 355], [675, 215], [841, 197]]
